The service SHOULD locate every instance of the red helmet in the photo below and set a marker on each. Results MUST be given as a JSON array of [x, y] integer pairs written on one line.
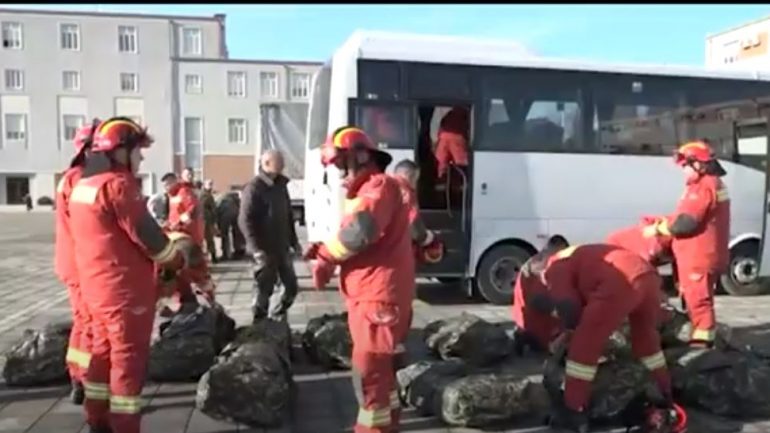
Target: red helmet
[[84, 135], [693, 151], [119, 132], [349, 138]]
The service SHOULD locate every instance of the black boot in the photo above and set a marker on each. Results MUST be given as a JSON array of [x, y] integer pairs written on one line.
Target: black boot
[[77, 394], [565, 419], [92, 429]]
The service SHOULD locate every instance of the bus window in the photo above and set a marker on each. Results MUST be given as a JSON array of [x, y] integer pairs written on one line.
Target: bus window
[[319, 107], [388, 125], [439, 82], [537, 111], [635, 116], [379, 80]]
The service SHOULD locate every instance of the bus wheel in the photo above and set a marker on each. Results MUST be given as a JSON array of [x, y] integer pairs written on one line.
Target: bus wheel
[[497, 272], [742, 277]]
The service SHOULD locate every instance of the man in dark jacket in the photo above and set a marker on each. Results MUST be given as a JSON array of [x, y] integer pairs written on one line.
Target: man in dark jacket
[[267, 224]]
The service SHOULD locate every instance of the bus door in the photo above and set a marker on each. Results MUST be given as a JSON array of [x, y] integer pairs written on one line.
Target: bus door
[[444, 188], [752, 145]]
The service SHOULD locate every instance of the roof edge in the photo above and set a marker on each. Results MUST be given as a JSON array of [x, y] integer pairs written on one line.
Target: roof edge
[[737, 27], [215, 18], [248, 61]]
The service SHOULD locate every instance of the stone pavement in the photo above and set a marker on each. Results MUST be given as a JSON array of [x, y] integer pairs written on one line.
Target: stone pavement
[[30, 297]]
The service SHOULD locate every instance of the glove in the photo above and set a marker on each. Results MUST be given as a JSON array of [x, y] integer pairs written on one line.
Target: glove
[[207, 289], [296, 250], [560, 343], [672, 419], [312, 251], [565, 418], [650, 220], [323, 271]]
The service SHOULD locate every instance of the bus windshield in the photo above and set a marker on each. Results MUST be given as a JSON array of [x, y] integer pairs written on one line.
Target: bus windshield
[[319, 107]]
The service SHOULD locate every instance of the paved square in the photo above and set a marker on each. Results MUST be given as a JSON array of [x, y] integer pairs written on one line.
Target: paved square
[[30, 297]]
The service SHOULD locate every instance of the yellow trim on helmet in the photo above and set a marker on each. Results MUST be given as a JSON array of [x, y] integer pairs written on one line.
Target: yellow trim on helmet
[[337, 137]]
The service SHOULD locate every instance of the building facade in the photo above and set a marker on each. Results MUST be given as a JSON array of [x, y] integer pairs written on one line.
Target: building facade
[[743, 47], [172, 73]]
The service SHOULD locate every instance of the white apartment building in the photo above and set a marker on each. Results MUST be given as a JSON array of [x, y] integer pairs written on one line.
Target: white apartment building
[[744, 46], [60, 69]]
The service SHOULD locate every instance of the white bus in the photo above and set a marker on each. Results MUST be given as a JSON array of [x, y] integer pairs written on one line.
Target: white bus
[[555, 147]]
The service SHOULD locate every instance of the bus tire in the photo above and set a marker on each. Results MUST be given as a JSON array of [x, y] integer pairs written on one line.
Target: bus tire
[[741, 278], [495, 266]]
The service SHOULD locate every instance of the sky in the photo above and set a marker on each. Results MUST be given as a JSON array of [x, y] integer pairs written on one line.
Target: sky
[[671, 34]]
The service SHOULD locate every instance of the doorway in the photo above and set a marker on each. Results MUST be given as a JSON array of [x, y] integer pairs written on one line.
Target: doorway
[[17, 188], [443, 154]]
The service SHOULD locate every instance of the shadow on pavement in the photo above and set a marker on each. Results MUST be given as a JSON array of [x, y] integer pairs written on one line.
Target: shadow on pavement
[[11, 395], [758, 336], [435, 293]]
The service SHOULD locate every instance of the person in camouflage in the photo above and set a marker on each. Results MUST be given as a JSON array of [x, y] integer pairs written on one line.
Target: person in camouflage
[[209, 217], [228, 206]]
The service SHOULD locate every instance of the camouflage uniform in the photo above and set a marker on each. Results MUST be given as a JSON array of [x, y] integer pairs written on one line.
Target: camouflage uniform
[[228, 206], [210, 220]]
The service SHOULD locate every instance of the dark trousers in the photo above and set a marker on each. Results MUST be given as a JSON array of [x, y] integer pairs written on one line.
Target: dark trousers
[[266, 277], [231, 235]]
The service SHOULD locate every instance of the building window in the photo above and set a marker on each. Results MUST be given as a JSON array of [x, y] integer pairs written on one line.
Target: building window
[[193, 83], [129, 82], [269, 84], [14, 79], [127, 39], [236, 84], [193, 141], [191, 41], [300, 85], [71, 81], [12, 36], [70, 125], [70, 37], [237, 131], [16, 127]]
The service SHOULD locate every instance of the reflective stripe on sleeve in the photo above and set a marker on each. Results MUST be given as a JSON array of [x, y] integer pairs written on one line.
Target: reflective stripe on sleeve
[[166, 254], [722, 195], [84, 194], [374, 417], [581, 371], [337, 250], [654, 362]]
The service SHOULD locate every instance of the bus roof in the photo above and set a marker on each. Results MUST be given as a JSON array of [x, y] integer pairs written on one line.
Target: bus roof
[[381, 45]]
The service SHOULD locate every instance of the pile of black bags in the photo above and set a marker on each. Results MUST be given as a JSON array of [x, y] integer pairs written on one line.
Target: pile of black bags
[[189, 342], [251, 382], [39, 357], [327, 341], [469, 338]]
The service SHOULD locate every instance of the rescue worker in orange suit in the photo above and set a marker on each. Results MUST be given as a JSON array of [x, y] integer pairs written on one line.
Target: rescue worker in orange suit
[[700, 228], [535, 330], [592, 289], [452, 140], [116, 242], [185, 214], [373, 248], [428, 248], [79, 348]]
